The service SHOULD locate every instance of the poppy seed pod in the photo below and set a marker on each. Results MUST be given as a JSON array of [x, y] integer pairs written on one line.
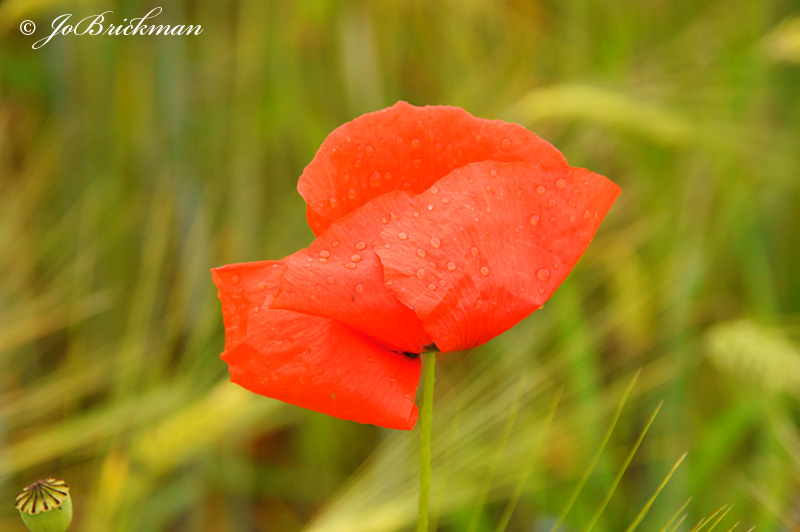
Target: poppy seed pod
[[45, 506], [434, 229]]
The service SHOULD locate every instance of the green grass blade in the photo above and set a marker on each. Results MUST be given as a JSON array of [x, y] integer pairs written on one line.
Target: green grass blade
[[652, 499], [615, 418]]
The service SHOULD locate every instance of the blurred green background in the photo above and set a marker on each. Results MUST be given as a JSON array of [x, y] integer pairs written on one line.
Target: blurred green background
[[131, 165]]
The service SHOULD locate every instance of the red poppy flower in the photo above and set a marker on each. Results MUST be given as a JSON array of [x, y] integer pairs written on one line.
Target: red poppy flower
[[432, 227]]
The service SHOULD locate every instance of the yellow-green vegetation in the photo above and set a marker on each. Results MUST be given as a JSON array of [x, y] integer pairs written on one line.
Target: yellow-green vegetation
[[130, 166]]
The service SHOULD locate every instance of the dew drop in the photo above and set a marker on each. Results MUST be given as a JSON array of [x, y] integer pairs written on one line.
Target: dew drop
[[420, 274], [351, 193], [262, 286], [541, 291], [360, 288], [534, 219], [335, 244], [331, 280], [348, 139], [357, 163], [402, 236], [449, 147], [551, 202], [543, 274], [257, 309], [506, 143], [438, 147], [451, 266], [540, 189], [431, 286], [235, 279], [432, 265], [493, 172], [375, 179], [445, 200], [421, 253], [561, 182], [312, 297], [442, 283], [587, 214], [488, 188], [415, 143], [384, 221], [435, 242], [369, 150], [576, 192], [416, 214], [355, 258], [398, 140], [416, 163], [332, 201], [430, 206], [552, 219], [323, 260], [484, 271], [434, 189], [350, 265], [571, 219], [389, 282], [324, 253], [474, 251], [360, 245]]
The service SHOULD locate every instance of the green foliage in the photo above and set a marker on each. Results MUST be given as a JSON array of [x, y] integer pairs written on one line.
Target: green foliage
[[130, 166]]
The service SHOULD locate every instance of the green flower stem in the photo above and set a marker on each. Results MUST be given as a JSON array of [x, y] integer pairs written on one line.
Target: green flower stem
[[425, 442]]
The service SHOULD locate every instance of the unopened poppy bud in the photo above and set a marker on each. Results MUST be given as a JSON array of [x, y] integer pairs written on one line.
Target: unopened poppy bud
[[45, 505]]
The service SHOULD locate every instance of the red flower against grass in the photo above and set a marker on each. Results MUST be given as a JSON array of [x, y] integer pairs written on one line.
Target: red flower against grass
[[432, 227]]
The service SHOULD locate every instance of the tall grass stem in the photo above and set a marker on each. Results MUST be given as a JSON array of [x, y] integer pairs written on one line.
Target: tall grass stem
[[425, 441]]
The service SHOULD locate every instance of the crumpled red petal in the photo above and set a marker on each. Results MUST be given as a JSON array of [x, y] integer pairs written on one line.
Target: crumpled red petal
[[340, 277], [498, 239], [308, 361], [404, 147]]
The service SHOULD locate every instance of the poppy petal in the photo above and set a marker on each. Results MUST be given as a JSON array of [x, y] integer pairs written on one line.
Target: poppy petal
[[308, 361], [404, 147], [498, 238], [340, 277]]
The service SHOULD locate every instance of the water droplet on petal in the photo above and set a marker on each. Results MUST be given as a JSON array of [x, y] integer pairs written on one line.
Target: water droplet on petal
[[360, 288], [323, 260], [421, 253], [561, 182], [351, 193], [451, 266], [540, 189], [438, 147], [355, 258], [332, 201], [415, 143], [534, 219], [360, 245], [331, 279], [506, 143], [420, 274], [445, 200], [375, 179], [430, 206], [434, 189], [257, 309], [484, 271], [474, 251], [416, 163], [551, 202], [541, 291], [324, 253], [384, 221], [543, 274], [262, 286], [350, 265], [442, 283], [431, 286], [435, 242], [399, 140], [402, 236], [368, 150], [493, 172], [335, 243], [347, 139], [571, 219], [586, 214], [235, 279], [389, 282]]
